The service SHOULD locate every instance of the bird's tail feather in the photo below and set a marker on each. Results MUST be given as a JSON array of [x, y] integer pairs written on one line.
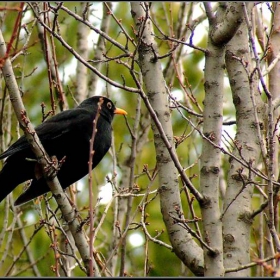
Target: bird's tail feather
[[7, 184], [37, 188]]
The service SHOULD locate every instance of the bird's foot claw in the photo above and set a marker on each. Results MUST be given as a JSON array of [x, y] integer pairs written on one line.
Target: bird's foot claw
[[54, 166]]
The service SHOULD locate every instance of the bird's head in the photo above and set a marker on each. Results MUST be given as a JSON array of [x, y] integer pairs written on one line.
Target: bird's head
[[105, 106]]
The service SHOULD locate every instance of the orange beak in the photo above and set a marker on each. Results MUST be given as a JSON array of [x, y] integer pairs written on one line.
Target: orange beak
[[120, 111]]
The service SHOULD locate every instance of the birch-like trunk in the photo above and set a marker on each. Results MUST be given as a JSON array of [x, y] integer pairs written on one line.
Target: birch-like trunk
[[183, 244], [210, 163], [223, 26], [83, 49], [237, 205]]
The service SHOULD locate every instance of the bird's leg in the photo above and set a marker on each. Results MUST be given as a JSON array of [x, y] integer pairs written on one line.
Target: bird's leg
[[54, 166], [61, 162], [51, 169]]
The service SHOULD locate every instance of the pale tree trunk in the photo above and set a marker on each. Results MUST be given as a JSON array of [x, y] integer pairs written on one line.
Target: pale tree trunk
[[99, 51], [83, 49], [183, 244], [223, 26], [274, 88], [210, 162], [237, 218]]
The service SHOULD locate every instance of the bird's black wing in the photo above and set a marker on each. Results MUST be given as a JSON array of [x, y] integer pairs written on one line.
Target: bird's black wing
[[19, 145], [53, 128]]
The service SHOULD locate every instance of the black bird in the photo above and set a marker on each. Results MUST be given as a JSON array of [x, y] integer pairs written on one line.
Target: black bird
[[66, 134]]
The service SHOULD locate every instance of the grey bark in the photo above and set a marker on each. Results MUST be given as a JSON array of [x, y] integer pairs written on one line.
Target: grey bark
[[237, 204], [223, 26], [184, 245]]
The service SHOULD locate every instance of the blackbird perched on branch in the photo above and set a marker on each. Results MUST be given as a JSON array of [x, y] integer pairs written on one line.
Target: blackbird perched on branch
[[66, 136]]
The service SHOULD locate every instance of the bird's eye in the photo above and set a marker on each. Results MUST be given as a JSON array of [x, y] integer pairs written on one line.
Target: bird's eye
[[109, 105]]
